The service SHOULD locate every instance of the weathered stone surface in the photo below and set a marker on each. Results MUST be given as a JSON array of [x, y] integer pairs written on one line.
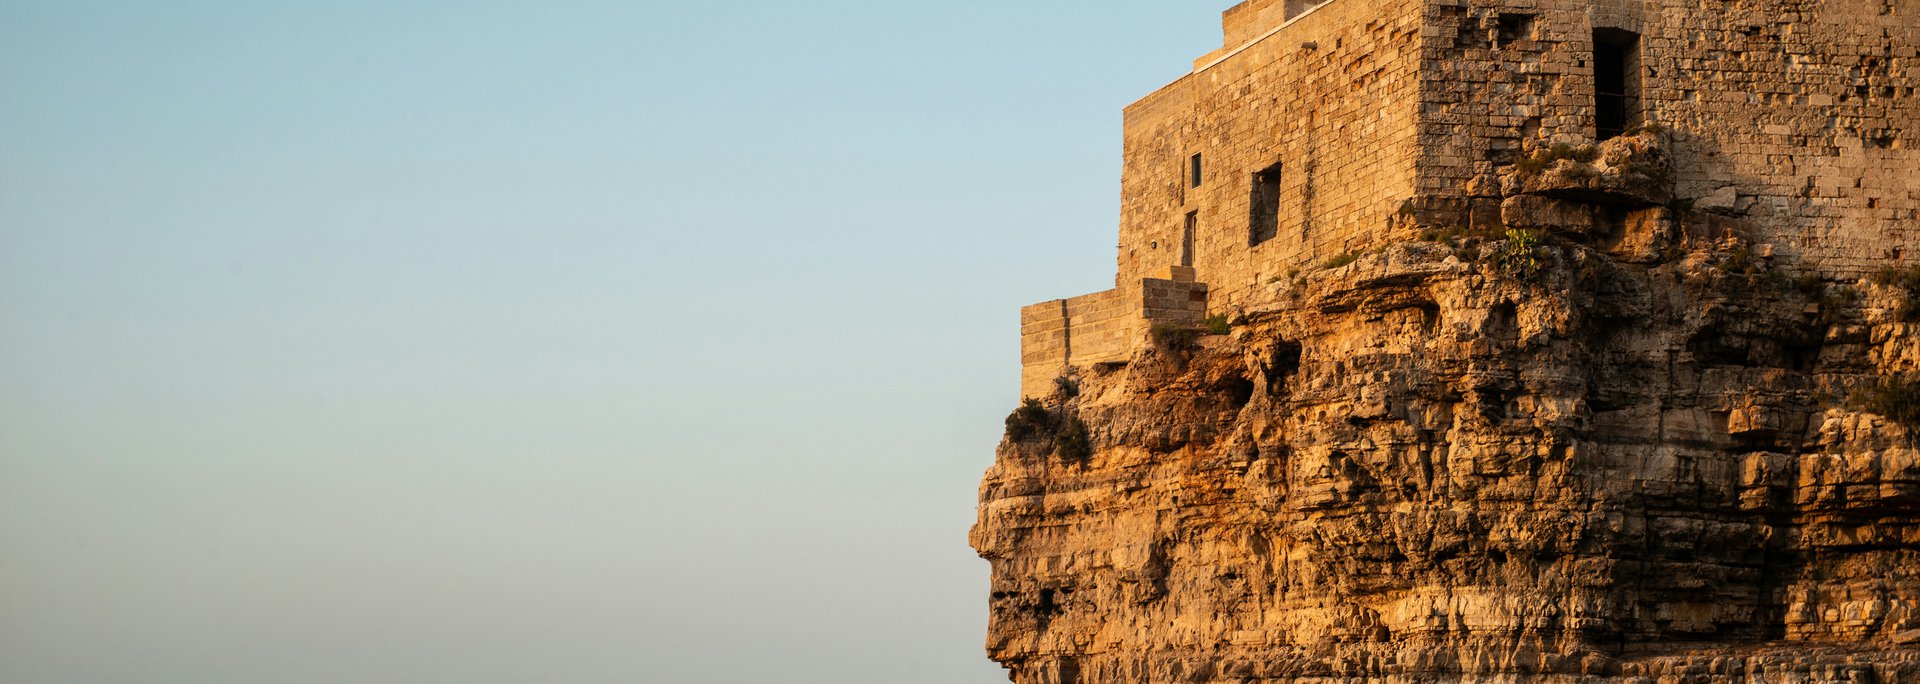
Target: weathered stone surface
[[1537, 212], [1723, 201], [1494, 407], [1806, 107], [1633, 170], [1428, 466]]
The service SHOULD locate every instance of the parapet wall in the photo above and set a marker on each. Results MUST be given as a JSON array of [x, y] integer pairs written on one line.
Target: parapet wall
[[1103, 327], [1249, 20]]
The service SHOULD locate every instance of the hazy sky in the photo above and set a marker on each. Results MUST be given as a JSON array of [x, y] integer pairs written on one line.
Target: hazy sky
[[470, 342]]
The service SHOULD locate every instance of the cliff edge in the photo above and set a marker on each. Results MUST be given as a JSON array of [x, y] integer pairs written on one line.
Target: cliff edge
[[1578, 444]]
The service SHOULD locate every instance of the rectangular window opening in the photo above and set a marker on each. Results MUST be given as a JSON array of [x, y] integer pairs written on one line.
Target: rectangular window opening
[[1616, 81], [1193, 171], [1264, 221]]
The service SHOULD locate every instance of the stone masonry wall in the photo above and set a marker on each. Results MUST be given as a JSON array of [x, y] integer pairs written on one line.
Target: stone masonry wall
[[1797, 115], [1631, 445], [1103, 327], [1384, 117], [1329, 97]]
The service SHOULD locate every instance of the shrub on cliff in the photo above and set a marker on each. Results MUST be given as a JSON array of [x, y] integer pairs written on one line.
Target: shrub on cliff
[[1029, 421], [1071, 443], [1519, 255], [1034, 422], [1218, 324], [1904, 278], [1066, 387], [1898, 399], [1907, 280], [1173, 337]]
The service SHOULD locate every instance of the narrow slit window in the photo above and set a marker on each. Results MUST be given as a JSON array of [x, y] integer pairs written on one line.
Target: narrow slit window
[[1616, 81], [1264, 221], [1186, 239], [1193, 171]]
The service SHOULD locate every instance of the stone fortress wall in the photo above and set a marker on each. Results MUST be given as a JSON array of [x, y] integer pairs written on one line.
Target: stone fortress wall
[[1321, 129], [1245, 107], [1798, 116], [1324, 104]]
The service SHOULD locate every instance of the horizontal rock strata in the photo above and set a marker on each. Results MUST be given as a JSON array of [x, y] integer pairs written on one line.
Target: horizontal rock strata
[[1598, 443]]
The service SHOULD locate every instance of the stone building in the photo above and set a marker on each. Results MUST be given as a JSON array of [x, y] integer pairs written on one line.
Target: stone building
[[1324, 129]]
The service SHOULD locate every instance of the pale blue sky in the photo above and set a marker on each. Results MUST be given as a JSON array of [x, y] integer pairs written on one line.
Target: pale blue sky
[[408, 342]]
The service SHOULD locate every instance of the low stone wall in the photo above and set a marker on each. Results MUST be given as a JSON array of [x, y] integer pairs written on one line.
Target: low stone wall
[[1103, 327]]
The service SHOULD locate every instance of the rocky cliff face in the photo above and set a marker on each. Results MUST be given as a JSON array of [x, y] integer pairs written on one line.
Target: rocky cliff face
[[1600, 439]]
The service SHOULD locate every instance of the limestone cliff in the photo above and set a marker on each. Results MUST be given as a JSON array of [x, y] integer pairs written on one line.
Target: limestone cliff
[[1601, 438]]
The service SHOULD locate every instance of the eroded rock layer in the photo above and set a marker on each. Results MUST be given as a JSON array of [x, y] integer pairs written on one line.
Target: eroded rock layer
[[1619, 446]]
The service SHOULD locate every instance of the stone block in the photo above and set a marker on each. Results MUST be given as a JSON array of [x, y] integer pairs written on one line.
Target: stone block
[[1548, 214]]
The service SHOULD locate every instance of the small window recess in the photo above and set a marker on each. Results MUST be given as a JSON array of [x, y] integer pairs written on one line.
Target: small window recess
[[1513, 28], [1194, 168], [1263, 221]]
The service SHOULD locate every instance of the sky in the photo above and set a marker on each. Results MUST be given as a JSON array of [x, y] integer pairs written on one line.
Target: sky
[[571, 341]]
